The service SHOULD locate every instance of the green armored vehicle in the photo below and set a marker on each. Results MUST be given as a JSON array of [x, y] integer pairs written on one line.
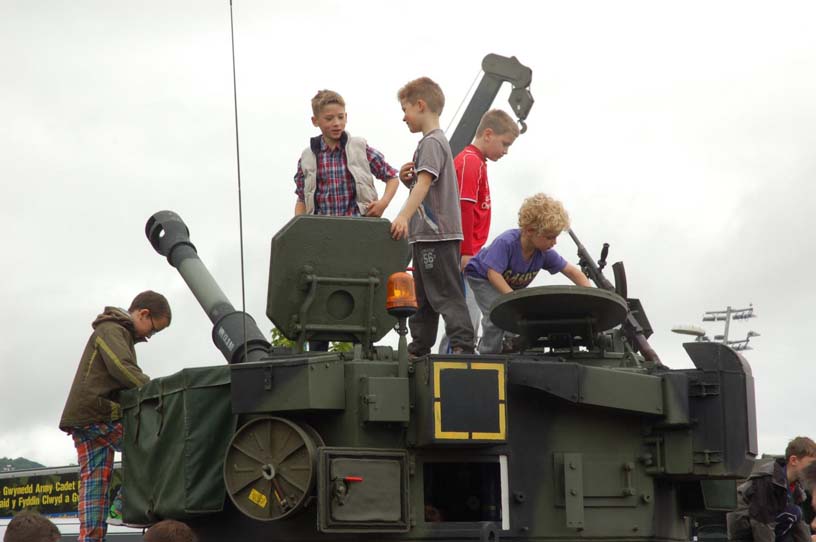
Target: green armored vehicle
[[582, 434], [578, 436]]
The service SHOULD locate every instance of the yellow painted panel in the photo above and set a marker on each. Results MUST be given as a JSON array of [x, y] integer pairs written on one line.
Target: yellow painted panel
[[498, 367], [439, 366], [438, 433], [502, 434]]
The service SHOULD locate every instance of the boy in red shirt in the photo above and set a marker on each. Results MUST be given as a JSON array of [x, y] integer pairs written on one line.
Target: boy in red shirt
[[496, 132]]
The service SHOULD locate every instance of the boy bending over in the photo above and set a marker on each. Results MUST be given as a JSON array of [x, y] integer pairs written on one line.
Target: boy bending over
[[92, 415], [769, 502], [496, 132], [513, 260]]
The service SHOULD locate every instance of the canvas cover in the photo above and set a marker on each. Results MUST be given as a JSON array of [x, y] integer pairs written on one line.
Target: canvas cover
[[177, 429]]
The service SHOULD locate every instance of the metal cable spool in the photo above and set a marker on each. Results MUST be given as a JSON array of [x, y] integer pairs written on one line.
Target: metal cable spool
[[270, 466]]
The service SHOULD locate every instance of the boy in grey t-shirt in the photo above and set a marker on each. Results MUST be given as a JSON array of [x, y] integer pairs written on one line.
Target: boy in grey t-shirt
[[435, 230]]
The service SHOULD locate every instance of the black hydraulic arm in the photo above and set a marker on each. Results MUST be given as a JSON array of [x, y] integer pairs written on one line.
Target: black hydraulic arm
[[497, 70]]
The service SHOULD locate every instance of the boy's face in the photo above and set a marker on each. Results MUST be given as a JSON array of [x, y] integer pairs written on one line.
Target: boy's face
[[412, 114], [796, 465], [542, 241], [146, 325], [496, 145], [332, 121]]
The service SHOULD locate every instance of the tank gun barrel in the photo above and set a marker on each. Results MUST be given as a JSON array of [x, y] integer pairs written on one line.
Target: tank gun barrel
[[235, 333]]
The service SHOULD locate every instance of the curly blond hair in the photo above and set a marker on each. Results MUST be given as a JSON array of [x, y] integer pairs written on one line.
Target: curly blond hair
[[425, 89], [543, 214]]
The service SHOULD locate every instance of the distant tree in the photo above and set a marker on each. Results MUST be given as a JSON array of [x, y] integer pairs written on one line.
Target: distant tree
[[277, 339], [341, 347]]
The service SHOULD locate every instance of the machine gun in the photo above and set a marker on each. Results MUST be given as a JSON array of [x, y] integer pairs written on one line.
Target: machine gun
[[636, 326]]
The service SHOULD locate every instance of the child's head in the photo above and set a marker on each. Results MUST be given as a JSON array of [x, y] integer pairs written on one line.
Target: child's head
[[30, 526], [420, 98], [169, 530], [496, 132], [799, 453], [542, 219], [329, 110], [150, 312]]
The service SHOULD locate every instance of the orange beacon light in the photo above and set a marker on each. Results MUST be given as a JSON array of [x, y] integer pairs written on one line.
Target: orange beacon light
[[400, 300]]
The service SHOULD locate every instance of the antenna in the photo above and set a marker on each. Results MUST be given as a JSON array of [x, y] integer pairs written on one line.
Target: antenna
[[238, 163], [726, 316]]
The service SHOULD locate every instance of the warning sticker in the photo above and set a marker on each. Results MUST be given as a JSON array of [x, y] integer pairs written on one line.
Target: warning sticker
[[258, 498]]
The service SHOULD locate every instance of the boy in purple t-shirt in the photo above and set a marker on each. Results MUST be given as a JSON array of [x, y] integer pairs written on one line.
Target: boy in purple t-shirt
[[514, 258]]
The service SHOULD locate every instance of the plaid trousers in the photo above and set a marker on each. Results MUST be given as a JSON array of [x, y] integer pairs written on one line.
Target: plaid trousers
[[95, 445]]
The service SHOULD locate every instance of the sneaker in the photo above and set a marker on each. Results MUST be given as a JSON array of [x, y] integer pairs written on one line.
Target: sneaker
[[115, 512]]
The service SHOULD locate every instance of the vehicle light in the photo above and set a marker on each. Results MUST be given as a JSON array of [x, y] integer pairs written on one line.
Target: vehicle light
[[400, 299]]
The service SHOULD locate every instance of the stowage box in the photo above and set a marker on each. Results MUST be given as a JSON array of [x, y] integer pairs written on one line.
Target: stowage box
[[178, 430], [301, 383]]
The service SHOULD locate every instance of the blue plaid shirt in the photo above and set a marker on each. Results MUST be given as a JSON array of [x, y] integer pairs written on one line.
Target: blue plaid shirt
[[335, 193]]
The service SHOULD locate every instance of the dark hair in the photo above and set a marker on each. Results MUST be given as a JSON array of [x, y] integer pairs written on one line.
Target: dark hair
[[800, 447], [154, 302], [31, 526], [169, 530]]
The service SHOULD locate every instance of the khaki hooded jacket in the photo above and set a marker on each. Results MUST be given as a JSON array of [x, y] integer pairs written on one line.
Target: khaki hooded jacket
[[108, 365]]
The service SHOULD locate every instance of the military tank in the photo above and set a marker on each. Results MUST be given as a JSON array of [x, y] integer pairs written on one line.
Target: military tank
[[577, 436]]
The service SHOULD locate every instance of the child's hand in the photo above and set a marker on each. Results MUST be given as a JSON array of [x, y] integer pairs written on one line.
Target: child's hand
[[376, 208], [406, 173], [399, 228]]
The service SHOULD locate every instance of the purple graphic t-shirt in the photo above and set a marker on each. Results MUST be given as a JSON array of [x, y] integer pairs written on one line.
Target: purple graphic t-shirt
[[504, 256]]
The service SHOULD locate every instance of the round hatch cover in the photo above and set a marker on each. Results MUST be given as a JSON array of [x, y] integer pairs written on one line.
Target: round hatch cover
[[545, 310]]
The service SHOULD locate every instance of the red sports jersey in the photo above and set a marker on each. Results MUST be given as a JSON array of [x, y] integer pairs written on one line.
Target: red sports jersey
[[474, 198]]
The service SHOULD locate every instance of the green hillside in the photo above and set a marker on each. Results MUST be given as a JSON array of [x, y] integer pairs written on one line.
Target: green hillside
[[21, 463]]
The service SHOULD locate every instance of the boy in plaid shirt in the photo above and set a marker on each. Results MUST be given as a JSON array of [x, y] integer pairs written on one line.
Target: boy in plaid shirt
[[92, 415], [335, 173]]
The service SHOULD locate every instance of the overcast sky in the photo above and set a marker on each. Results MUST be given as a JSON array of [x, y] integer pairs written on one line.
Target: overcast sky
[[681, 133]]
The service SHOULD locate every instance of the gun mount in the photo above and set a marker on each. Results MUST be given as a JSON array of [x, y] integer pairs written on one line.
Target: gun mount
[[557, 317], [576, 436]]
